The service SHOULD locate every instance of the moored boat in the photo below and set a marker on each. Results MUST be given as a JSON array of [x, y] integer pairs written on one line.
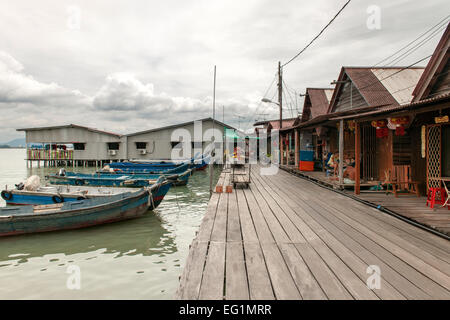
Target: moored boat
[[133, 165], [146, 170], [67, 193], [15, 220], [116, 180]]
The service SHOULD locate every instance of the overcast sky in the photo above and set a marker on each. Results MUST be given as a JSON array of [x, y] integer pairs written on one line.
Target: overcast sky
[[133, 65]]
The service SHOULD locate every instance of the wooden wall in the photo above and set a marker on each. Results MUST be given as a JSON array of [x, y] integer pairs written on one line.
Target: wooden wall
[[419, 164], [384, 155]]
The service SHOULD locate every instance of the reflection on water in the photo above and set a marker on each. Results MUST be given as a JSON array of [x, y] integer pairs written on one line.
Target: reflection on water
[[135, 259]]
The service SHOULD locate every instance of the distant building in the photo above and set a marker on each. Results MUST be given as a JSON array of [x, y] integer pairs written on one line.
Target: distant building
[[93, 146]]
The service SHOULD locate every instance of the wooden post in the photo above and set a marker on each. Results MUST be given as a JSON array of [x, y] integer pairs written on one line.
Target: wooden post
[[341, 152], [26, 153], [296, 147], [288, 148], [357, 162], [281, 149]]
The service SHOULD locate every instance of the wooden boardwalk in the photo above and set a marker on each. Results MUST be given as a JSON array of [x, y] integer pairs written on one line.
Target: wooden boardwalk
[[409, 206], [287, 238]]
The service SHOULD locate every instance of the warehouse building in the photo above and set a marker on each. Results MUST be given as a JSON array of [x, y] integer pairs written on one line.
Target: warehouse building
[[79, 145]]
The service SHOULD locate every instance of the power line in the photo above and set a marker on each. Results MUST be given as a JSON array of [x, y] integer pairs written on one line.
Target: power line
[[318, 35], [440, 25], [260, 102], [379, 80], [411, 42]]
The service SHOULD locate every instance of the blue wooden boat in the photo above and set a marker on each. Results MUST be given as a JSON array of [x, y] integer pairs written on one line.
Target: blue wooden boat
[[117, 180], [195, 163], [147, 170], [15, 220], [67, 193]]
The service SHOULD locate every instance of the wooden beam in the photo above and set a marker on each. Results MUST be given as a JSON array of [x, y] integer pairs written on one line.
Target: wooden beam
[[296, 150], [281, 149], [341, 151], [357, 161]]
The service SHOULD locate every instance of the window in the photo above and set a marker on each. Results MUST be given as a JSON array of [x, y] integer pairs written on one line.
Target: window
[[113, 146], [141, 145], [78, 146]]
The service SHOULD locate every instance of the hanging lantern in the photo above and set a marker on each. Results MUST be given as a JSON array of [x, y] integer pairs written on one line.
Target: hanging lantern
[[400, 123], [379, 123], [400, 130], [382, 130], [400, 120]]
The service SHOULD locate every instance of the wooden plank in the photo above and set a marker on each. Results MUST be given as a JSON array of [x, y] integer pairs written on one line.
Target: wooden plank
[[204, 233], [247, 227], [233, 223], [339, 204], [262, 230], [212, 285], [425, 283], [275, 227], [259, 282], [328, 281], [219, 231], [236, 283], [307, 285], [403, 285], [289, 228], [356, 286], [282, 282], [396, 250], [193, 271]]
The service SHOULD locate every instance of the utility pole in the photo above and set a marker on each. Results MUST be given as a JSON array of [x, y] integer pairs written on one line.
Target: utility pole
[[211, 159], [280, 93]]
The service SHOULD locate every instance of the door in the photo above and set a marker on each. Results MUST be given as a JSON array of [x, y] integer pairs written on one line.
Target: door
[[434, 156]]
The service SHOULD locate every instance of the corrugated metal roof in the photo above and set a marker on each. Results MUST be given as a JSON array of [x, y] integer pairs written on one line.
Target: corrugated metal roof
[[395, 108], [400, 83], [380, 85], [286, 123], [368, 85], [267, 122], [69, 126], [320, 100], [435, 65], [179, 125]]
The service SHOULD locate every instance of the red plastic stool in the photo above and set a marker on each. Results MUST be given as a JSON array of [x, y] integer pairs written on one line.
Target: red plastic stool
[[431, 197]]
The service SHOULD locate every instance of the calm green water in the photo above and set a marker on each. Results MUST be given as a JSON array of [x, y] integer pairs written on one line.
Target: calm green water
[[136, 259]]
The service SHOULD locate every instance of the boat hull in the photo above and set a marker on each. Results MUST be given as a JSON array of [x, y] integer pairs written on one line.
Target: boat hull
[[19, 197], [124, 209], [118, 180]]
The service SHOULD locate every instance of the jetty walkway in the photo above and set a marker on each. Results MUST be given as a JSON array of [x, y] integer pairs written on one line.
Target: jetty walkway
[[287, 238]]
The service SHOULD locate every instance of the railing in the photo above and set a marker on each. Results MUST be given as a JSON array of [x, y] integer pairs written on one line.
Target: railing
[[41, 154]]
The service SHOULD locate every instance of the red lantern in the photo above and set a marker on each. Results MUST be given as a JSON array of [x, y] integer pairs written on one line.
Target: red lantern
[[379, 123], [400, 131], [400, 120], [382, 132]]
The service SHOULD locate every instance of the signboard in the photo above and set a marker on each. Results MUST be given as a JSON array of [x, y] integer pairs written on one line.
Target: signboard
[[442, 119]]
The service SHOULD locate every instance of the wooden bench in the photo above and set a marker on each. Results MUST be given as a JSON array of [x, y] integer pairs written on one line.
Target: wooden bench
[[400, 180]]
